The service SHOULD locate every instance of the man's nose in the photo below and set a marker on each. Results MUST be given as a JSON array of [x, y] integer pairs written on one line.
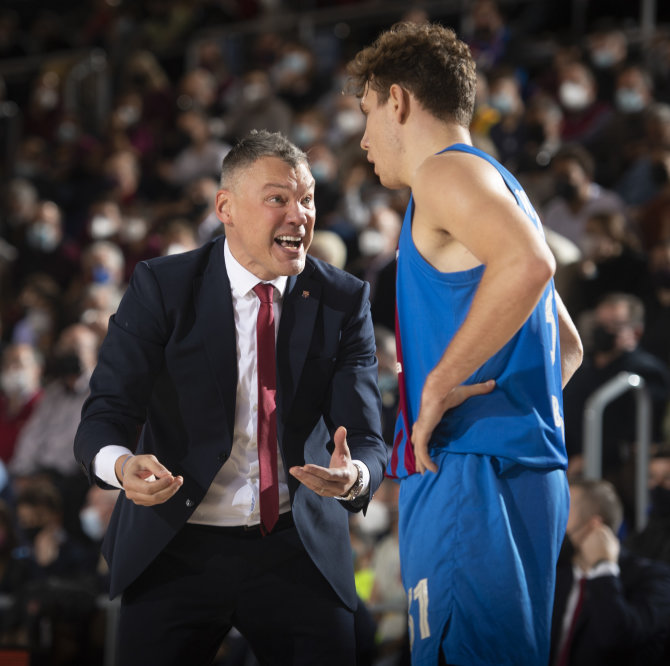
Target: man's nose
[[296, 213]]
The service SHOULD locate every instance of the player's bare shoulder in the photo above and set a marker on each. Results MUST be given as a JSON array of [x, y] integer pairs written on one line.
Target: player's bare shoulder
[[445, 198]]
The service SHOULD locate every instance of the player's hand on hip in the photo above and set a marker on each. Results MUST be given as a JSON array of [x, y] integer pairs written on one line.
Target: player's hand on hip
[[145, 481], [334, 480], [434, 404]]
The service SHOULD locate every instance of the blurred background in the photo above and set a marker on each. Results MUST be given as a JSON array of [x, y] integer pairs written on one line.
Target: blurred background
[[114, 119]]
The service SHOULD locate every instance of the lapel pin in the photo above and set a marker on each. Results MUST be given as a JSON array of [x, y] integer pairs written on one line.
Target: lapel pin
[[305, 294]]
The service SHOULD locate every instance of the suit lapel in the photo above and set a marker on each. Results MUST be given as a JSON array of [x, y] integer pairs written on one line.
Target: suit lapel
[[299, 311], [214, 311]]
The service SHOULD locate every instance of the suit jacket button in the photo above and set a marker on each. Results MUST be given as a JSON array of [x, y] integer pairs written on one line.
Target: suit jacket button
[[189, 503]]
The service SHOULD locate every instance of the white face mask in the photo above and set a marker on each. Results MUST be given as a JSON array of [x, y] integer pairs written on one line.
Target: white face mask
[[103, 227], [573, 96], [350, 122], [371, 242], [17, 383], [255, 92], [91, 523], [377, 519]]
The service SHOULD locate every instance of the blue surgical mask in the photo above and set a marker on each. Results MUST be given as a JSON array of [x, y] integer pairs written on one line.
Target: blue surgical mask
[[91, 523], [304, 134], [101, 275], [43, 237], [603, 58], [502, 103], [628, 100]]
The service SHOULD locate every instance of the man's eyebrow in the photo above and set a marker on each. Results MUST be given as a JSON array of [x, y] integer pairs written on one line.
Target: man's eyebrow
[[269, 186], [283, 186]]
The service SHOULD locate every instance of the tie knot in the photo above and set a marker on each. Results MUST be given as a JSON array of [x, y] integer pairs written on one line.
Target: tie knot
[[264, 292]]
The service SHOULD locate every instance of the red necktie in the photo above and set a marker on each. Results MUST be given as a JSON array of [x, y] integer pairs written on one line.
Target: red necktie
[[267, 408], [564, 657]]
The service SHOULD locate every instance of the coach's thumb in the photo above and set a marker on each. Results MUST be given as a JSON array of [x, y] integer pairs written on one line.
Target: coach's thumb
[[341, 447]]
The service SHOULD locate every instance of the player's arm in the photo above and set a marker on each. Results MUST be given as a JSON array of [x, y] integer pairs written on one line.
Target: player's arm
[[572, 351], [477, 211]]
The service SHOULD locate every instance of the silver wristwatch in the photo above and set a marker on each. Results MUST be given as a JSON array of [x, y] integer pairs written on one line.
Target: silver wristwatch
[[355, 490]]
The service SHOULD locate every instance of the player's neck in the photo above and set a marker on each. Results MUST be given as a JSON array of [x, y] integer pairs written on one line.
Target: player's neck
[[430, 137]]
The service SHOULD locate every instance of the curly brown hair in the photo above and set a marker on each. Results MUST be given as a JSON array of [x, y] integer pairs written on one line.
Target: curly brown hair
[[426, 59]]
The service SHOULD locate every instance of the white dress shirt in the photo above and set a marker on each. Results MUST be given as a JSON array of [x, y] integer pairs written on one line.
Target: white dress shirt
[[233, 497]]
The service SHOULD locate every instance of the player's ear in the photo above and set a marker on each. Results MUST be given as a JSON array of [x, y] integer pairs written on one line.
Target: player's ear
[[399, 99]]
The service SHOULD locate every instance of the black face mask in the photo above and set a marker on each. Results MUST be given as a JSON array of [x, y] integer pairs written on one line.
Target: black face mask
[[31, 533], [661, 278], [66, 365], [659, 174], [660, 501], [535, 133], [198, 208], [566, 190], [603, 340]]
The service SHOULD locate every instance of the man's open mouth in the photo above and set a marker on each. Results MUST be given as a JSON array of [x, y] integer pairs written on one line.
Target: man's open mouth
[[293, 242]]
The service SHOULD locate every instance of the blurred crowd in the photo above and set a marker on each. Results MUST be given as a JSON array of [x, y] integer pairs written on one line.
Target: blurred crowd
[[112, 140]]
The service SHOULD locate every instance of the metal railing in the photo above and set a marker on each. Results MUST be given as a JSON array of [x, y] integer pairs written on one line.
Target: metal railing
[[593, 434]]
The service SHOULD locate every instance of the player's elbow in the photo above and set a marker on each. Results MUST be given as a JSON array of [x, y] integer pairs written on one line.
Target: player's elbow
[[539, 269]]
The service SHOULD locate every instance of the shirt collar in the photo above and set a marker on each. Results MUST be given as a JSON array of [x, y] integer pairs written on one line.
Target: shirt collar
[[243, 281]]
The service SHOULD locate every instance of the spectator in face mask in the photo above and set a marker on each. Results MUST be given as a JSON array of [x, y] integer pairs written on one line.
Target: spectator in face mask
[[257, 105], [585, 114], [509, 133], [611, 261], [16, 569], [201, 154], [577, 197], [39, 510], [102, 262], [94, 518], [45, 248], [20, 392], [607, 48], [654, 540], [656, 338], [626, 129], [45, 441], [612, 346]]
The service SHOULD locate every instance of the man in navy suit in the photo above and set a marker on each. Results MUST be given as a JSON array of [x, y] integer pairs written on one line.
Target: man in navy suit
[[172, 419], [611, 608]]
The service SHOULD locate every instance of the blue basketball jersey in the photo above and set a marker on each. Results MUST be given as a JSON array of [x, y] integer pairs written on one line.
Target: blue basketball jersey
[[521, 420]]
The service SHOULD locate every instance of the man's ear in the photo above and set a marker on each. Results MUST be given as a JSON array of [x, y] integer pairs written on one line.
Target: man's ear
[[223, 206], [400, 102]]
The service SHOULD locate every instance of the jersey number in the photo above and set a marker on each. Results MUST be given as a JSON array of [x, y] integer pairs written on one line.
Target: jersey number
[[419, 593]]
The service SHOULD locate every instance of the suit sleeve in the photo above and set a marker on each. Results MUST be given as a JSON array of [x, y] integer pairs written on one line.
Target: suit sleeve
[[633, 610], [130, 359], [354, 400]]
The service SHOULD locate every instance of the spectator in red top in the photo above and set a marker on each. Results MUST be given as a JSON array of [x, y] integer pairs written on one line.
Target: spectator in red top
[[20, 391]]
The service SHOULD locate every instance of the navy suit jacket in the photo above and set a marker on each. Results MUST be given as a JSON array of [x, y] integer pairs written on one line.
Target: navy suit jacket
[[165, 384], [624, 621]]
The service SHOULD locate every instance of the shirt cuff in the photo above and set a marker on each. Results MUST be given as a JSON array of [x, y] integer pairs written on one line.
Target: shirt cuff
[[103, 463], [603, 568], [366, 480]]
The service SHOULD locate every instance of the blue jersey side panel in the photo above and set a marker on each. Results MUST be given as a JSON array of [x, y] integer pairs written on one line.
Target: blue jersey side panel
[[521, 421]]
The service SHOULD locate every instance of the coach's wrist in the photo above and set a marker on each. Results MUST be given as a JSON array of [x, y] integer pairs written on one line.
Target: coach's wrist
[[120, 466]]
